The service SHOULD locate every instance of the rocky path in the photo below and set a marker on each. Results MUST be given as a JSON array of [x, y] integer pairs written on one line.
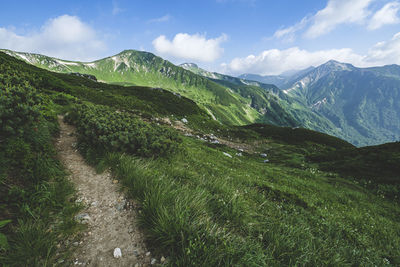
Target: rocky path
[[111, 219]]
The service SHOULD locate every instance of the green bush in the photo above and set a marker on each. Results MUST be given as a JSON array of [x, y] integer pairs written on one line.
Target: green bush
[[19, 109], [112, 130], [35, 194]]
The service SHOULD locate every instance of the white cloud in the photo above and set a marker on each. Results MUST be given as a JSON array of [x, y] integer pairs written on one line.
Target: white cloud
[[164, 18], [288, 34], [385, 52], [275, 61], [64, 37], [335, 13], [190, 47], [338, 12], [386, 15]]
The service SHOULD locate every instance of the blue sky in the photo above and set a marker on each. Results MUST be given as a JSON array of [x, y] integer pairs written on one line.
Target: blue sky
[[230, 36]]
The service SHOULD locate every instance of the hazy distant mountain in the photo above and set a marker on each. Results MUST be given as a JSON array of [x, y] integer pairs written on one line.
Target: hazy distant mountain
[[218, 76], [281, 81]]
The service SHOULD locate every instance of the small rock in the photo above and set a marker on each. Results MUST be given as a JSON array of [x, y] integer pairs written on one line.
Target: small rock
[[75, 244], [153, 261], [239, 154], [226, 154], [184, 120], [266, 161], [263, 155], [83, 218], [215, 142], [117, 253], [120, 206], [241, 149], [60, 261], [162, 260], [137, 265], [115, 181], [148, 253]]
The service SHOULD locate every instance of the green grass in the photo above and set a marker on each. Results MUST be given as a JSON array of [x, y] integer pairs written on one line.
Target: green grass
[[204, 209], [36, 197]]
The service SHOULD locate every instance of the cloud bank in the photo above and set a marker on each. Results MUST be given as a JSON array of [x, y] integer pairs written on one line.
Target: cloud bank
[[275, 61], [384, 16], [190, 47], [339, 12], [64, 37]]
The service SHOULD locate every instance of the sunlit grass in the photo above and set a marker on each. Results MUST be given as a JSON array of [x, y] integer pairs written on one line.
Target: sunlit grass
[[205, 209]]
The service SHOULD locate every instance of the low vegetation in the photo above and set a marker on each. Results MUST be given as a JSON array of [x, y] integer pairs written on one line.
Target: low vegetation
[[201, 207], [201, 203], [35, 211], [103, 128]]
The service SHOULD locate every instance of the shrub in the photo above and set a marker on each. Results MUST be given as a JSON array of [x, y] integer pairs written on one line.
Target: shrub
[[19, 109], [112, 130]]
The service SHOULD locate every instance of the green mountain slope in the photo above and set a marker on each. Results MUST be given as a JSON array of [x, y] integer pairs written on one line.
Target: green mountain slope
[[145, 69], [228, 99], [275, 106], [358, 105], [363, 103]]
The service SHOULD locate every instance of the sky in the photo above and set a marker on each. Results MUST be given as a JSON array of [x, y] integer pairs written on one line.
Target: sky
[[265, 37]]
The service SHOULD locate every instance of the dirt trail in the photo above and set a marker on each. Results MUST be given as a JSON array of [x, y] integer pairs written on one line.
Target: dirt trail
[[111, 220]]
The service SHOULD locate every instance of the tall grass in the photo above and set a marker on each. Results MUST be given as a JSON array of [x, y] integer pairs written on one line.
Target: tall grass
[[202, 208], [35, 197]]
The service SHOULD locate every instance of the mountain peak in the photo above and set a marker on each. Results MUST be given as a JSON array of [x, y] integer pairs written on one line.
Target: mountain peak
[[189, 65], [130, 52], [334, 65]]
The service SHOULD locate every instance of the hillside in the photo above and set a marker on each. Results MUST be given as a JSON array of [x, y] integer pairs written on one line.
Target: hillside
[[358, 105], [208, 194], [145, 69], [284, 111], [227, 99], [363, 103]]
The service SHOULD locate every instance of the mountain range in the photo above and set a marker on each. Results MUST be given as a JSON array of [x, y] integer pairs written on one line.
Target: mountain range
[[360, 105]]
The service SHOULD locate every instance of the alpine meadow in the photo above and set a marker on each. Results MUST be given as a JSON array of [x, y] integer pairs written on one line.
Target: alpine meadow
[[234, 133]]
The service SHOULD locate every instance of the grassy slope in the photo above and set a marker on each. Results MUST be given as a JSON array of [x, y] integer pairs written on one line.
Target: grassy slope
[[36, 198], [145, 69], [227, 98], [201, 207], [275, 106], [363, 103]]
